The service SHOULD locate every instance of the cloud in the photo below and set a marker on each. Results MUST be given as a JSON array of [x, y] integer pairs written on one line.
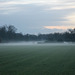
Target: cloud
[[33, 15], [59, 27], [47, 4], [70, 19], [62, 7]]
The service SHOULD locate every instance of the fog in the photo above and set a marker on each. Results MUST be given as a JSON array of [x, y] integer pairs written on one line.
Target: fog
[[33, 43], [18, 43]]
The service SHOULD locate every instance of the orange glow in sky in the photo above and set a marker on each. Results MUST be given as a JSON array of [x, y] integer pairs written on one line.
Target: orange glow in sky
[[60, 27]]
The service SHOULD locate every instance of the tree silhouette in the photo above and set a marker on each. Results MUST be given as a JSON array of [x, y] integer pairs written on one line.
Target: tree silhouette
[[8, 33]]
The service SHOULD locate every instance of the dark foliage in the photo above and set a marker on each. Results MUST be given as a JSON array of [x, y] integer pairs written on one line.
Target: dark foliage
[[8, 33]]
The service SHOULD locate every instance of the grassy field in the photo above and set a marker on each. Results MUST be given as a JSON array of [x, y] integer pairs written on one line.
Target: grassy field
[[37, 60]]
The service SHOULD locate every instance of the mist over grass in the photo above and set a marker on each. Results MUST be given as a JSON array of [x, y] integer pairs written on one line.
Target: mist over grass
[[33, 43], [19, 43]]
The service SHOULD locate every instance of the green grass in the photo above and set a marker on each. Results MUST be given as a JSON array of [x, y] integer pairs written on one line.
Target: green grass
[[37, 60]]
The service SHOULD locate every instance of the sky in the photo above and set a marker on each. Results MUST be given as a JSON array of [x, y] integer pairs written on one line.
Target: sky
[[38, 16]]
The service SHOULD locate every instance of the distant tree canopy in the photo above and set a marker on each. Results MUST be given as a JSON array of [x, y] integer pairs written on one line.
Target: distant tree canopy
[[11, 29], [0, 40], [8, 33], [72, 31]]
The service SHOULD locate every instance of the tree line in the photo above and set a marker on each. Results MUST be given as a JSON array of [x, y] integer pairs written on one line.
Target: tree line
[[8, 33]]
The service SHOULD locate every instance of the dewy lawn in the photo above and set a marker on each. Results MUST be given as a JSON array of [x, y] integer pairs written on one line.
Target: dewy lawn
[[37, 60]]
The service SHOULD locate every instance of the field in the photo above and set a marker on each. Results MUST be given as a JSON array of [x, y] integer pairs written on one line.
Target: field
[[37, 60]]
